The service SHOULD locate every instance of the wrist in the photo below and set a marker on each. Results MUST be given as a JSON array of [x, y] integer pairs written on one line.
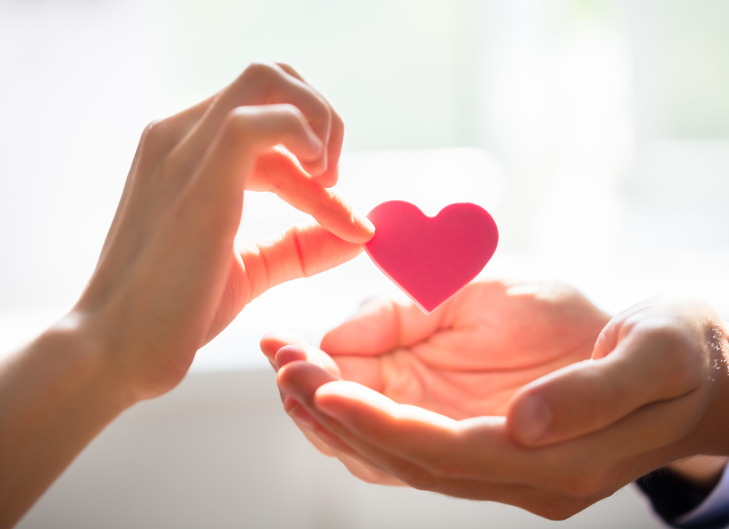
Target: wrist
[[712, 434], [82, 360], [57, 392]]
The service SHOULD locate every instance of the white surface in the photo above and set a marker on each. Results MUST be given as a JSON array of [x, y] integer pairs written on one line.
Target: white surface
[[549, 85], [219, 452]]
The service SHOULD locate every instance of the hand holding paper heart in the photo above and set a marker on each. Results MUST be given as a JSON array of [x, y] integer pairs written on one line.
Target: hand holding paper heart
[[170, 276]]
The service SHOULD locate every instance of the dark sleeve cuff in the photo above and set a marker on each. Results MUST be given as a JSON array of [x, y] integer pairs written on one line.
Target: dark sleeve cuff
[[672, 496]]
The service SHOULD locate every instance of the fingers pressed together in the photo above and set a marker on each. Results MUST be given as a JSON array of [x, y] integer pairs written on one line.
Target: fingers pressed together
[[569, 438]]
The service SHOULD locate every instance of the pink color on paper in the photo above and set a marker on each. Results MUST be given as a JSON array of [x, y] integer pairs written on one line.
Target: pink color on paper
[[431, 258]]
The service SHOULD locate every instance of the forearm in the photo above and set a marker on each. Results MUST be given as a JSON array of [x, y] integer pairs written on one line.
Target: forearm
[[56, 394]]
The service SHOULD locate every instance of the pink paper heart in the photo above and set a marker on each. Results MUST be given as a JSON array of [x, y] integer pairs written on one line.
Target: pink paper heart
[[431, 258]]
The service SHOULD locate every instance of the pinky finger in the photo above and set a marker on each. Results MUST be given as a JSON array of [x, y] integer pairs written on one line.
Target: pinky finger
[[217, 189]]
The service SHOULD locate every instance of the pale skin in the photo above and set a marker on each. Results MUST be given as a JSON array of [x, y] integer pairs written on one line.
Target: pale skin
[[169, 277], [521, 393]]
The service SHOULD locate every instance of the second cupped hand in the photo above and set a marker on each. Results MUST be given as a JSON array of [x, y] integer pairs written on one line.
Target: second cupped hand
[[519, 393], [169, 277]]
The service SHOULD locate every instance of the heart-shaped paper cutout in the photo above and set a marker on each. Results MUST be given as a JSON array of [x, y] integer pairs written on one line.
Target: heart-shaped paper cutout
[[431, 258]]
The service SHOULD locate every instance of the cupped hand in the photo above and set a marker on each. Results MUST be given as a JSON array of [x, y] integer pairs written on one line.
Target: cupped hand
[[169, 277], [466, 359], [653, 391], [470, 356]]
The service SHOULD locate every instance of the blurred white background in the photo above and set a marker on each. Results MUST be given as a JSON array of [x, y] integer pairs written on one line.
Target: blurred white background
[[596, 132]]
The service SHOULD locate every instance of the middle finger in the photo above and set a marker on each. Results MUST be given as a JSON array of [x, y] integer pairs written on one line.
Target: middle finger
[[260, 84]]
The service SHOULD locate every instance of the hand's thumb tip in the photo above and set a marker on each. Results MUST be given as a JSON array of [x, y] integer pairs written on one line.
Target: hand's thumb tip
[[333, 341], [529, 420]]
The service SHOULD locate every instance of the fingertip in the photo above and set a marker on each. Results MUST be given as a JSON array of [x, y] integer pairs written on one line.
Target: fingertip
[[315, 165], [290, 353], [529, 420], [271, 342], [301, 379]]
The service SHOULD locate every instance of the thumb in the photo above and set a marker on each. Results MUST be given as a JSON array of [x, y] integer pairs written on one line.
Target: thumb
[[381, 325], [647, 365]]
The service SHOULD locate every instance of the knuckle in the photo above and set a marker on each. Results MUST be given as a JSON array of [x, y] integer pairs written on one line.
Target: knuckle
[[442, 470], [668, 337], [413, 476], [239, 123], [583, 485], [369, 476], [560, 510], [296, 234], [684, 368], [259, 71], [289, 70], [153, 134], [155, 144], [338, 121], [291, 113], [680, 359], [328, 113], [441, 466]]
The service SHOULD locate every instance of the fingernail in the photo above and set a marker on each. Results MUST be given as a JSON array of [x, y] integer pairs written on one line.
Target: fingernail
[[532, 419], [362, 222]]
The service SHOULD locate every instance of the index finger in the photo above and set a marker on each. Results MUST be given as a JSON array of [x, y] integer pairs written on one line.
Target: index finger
[[284, 176], [301, 251]]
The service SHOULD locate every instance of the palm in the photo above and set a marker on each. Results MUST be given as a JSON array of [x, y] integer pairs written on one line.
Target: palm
[[469, 357]]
